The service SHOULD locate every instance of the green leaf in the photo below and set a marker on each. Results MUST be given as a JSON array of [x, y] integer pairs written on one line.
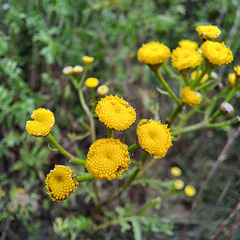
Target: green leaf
[[136, 229]]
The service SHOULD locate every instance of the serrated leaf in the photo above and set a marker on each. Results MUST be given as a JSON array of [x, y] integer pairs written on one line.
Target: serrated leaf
[[136, 229]]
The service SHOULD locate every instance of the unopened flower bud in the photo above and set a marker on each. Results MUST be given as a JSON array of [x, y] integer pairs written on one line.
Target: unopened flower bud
[[226, 109], [102, 90], [219, 86], [68, 70], [237, 70], [78, 70], [214, 75]]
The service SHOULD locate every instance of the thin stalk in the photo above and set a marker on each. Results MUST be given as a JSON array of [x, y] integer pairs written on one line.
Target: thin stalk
[[133, 147], [111, 132], [175, 113], [165, 84], [61, 150], [185, 78], [207, 69], [85, 177], [171, 73], [203, 125], [227, 99]]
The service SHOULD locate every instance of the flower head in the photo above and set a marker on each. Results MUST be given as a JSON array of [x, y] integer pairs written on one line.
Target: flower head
[[190, 97], [237, 70], [196, 74], [61, 182], [208, 32], [68, 70], [185, 58], [42, 123], [107, 158], [178, 184], [154, 137], [102, 90], [88, 60], [78, 70], [176, 171], [91, 82], [231, 79], [189, 190], [216, 53], [188, 44], [115, 113], [153, 53]]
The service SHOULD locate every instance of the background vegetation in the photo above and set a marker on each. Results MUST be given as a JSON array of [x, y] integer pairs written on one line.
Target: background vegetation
[[38, 38]]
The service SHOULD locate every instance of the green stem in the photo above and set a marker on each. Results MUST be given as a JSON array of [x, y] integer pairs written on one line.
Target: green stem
[[227, 99], [89, 114], [175, 113], [79, 162], [111, 132], [203, 125], [171, 73], [60, 149], [185, 78], [133, 147], [207, 69], [85, 177], [164, 83]]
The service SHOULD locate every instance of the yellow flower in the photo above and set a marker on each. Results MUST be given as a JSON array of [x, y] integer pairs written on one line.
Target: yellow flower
[[188, 44], [154, 138], [208, 32], [153, 53], [231, 79], [178, 184], [91, 82], [87, 59], [107, 158], [42, 124], [237, 70], [68, 70], [190, 97], [102, 90], [176, 171], [61, 182], [185, 58], [196, 74], [115, 113], [216, 53], [189, 190], [78, 69]]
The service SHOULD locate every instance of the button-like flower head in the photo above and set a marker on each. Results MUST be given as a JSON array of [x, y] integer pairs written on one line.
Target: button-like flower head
[[185, 58], [107, 158], [190, 97], [115, 113], [61, 182], [154, 137], [153, 53], [216, 53], [42, 123], [208, 32]]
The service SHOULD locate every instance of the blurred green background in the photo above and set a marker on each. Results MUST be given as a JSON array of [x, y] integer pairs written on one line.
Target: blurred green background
[[37, 40]]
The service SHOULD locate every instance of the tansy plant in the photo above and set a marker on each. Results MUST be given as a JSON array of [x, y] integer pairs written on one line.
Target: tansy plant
[[193, 68]]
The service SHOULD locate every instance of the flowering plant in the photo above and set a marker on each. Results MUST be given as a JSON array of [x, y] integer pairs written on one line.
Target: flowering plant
[[110, 158]]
